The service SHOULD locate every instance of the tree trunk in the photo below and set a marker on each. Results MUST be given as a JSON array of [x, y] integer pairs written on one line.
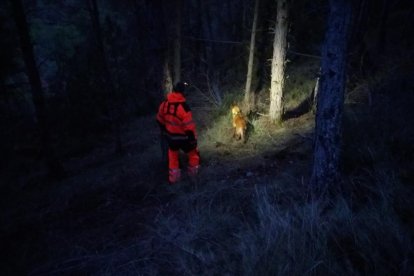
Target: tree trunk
[[212, 73], [382, 34], [261, 50], [167, 84], [199, 44], [177, 42], [55, 167], [315, 95], [112, 95], [278, 62], [247, 92], [330, 99]]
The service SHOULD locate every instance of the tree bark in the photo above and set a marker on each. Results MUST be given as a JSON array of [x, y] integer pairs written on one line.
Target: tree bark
[[247, 90], [167, 84], [262, 57], [112, 94], [382, 35], [330, 99], [177, 42], [278, 62], [54, 165], [315, 95], [212, 73]]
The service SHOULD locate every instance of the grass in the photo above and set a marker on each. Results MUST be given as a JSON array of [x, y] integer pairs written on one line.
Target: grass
[[300, 83], [265, 225], [232, 229], [249, 213]]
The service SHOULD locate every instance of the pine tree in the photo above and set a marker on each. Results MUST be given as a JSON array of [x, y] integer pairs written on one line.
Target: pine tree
[[177, 42], [278, 62], [55, 167], [247, 92], [330, 99], [112, 93]]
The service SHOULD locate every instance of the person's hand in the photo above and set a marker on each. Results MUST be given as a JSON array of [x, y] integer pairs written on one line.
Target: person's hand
[[193, 143], [190, 135], [162, 128], [191, 138]]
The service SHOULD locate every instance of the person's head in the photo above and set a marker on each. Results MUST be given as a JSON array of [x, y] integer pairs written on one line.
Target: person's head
[[180, 87]]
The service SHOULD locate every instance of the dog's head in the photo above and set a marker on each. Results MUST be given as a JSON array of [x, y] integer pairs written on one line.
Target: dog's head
[[235, 110]]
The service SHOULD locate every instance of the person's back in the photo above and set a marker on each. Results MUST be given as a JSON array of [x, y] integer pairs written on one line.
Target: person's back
[[176, 120]]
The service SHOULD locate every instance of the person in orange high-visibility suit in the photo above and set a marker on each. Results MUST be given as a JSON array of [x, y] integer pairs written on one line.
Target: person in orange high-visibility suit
[[176, 120]]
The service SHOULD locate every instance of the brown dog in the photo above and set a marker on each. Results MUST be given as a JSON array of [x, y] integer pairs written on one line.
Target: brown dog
[[239, 123]]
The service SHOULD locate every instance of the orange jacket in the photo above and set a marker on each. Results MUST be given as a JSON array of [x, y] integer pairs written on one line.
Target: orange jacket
[[175, 115]]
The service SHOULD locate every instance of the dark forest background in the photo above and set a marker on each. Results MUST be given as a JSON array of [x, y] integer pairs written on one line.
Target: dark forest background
[[138, 38], [83, 188]]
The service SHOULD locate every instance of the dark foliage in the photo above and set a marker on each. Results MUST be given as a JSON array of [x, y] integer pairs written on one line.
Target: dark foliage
[[102, 81]]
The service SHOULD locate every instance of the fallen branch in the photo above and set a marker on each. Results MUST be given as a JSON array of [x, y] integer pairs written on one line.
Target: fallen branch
[[303, 54]]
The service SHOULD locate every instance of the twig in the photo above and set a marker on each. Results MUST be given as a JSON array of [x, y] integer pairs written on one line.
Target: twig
[[204, 95], [215, 40], [303, 54], [304, 136]]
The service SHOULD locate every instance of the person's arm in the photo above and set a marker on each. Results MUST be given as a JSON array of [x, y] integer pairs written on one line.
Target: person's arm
[[186, 116], [160, 117]]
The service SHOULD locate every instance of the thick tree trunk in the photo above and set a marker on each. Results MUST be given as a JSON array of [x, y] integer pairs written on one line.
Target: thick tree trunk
[[278, 62], [247, 90], [112, 94], [55, 167], [177, 42], [382, 34], [330, 99]]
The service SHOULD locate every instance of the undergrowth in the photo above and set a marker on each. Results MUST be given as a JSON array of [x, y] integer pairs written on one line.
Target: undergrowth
[[249, 213], [231, 229], [266, 226]]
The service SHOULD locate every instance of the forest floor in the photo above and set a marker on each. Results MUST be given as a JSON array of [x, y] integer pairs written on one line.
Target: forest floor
[[108, 202]]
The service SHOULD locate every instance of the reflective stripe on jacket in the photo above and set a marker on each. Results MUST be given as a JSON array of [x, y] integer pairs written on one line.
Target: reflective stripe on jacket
[[176, 116]]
